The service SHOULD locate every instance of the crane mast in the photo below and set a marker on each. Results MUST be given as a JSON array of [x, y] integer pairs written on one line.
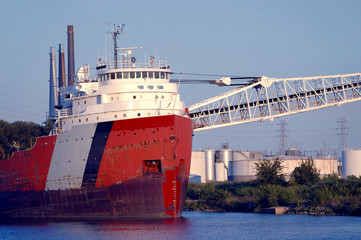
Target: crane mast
[[268, 98]]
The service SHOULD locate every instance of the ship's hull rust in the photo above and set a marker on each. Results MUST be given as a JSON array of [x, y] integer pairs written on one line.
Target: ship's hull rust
[[126, 168]]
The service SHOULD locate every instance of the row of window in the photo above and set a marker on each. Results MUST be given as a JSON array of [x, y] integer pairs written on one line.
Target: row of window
[[115, 116], [159, 87], [127, 75]]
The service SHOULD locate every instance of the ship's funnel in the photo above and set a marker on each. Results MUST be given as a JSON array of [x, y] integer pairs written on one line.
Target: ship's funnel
[[71, 64], [53, 93], [62, 82], [61, 79]]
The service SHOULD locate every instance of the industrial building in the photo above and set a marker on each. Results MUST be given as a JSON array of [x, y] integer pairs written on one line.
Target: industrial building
[[230, 165]]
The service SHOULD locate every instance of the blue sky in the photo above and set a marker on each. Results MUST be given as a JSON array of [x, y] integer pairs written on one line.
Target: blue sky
[[246, 38]]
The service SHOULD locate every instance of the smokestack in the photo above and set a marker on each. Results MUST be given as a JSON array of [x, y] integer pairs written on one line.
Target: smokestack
[[71, 64], [62, 82], [53, 93]]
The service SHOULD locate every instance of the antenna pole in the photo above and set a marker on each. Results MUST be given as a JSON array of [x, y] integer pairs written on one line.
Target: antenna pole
[[117, 30], [115, 33]]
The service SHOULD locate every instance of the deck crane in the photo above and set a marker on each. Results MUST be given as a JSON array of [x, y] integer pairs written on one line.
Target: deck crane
[[268, 98]]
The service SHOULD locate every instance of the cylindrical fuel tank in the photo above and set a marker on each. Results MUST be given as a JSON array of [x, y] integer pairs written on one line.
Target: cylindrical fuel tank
[[220, 172], [210, 162], [351, 163]]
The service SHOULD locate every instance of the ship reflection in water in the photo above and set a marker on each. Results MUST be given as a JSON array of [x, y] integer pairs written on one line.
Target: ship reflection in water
[[193, 225], [146, 229]]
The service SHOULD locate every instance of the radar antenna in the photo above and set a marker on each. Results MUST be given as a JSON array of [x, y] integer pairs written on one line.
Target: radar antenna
[[116, 31]]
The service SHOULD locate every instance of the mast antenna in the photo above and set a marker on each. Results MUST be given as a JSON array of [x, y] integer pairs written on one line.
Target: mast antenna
[[116, 31]]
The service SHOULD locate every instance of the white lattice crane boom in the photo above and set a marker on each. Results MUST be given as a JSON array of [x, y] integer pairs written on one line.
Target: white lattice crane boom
[[269, 98]]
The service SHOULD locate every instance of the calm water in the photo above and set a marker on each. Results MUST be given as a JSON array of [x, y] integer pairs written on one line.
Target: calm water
[[195, 225]]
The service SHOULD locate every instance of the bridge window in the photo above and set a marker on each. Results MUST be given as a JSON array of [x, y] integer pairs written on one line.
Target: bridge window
[[144, 74], [126, 75], [150, 74], [112, 75], [138, 74], [162, 75], [156, 74], [119, 75], [132, 74]]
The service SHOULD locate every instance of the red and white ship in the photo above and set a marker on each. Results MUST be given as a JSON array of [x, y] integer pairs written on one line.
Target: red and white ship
[[121, 147]]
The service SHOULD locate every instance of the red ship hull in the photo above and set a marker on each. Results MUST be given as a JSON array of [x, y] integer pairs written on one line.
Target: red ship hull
[[126, 168]]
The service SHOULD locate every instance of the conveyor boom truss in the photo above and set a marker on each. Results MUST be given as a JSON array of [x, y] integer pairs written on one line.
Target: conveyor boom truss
[[268, 98]]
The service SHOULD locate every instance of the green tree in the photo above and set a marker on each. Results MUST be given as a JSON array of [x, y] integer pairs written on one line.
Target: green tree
[[270, 172], [306, 173], [211, 198]]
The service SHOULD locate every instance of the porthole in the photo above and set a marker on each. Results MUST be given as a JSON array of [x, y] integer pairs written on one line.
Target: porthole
[[156, 96], [134, 97], [138, 114], [115, 116], [97, 118], [86, 119], [79, 120], [84, 102], [124, 115], [111, 98], [162, 97]]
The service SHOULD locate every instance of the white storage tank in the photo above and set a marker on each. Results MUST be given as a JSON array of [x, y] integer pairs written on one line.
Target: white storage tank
[[242, 170], [210, 155], [220, 172], [225, 156], [198, 165], [351, 162], [240, 155]]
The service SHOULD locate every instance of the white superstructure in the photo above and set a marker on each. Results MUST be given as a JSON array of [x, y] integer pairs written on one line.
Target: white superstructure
[[123, 90]]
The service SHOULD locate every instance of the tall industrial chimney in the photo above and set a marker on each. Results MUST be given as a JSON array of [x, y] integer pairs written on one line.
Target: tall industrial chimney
[[53, 92], [71, 64], [61, 75]]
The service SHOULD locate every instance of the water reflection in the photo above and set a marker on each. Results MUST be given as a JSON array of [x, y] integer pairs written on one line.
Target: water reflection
[[145, 229], [117, 229], [194, 225]]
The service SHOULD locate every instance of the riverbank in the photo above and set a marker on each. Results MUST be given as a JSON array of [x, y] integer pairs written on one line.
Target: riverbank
[[331, 196]]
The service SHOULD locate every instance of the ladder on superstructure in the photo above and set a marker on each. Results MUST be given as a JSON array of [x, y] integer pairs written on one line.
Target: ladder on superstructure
[[269, 98]]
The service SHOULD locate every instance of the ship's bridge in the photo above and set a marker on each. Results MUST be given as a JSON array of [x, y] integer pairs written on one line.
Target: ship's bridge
[[122, 90]]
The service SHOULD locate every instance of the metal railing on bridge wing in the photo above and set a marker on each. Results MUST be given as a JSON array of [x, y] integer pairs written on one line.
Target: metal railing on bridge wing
[[268, 98]]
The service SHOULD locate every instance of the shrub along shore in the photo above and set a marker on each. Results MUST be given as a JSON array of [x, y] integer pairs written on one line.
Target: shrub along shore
[[329, 196]]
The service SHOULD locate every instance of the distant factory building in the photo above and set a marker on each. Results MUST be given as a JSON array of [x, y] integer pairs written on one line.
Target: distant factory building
[[228, 165]]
